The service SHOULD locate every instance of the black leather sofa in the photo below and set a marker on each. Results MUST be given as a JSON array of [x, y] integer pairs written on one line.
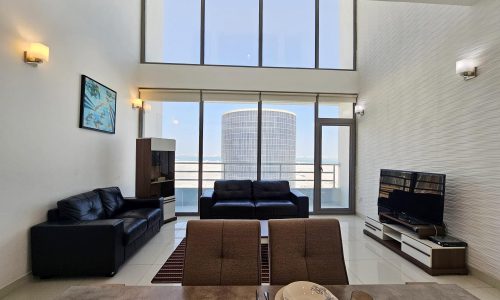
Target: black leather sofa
[[93, 233], [244, 199]]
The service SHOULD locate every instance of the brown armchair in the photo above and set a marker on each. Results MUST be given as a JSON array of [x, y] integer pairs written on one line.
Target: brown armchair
[[306, 249], [222, 252]]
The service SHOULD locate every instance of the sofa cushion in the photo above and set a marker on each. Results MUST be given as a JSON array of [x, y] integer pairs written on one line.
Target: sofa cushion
[[233, 190], [152, 215], [133, 228], [271, 190], [112, 200], [274, 208], [82, 207], [235, 209]]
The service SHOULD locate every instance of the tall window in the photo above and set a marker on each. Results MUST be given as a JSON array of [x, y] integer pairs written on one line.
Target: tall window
[[169, 120], [288, 144], [232, 32], [264, 33], [229, 142]]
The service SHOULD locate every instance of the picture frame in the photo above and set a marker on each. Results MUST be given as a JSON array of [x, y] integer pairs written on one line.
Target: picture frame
[[97, 106]]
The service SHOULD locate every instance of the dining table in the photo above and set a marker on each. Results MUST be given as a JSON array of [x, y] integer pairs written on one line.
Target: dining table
[[428, 291]]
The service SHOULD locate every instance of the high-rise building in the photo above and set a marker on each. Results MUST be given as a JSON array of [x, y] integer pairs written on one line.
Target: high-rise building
[[239, 144]]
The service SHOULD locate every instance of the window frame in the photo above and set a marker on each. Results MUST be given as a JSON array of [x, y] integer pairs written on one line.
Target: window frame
[[260, 65]]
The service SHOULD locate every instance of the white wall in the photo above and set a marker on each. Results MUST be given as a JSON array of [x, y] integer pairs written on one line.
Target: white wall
[[44, 155], [240, 78], [421, 116]]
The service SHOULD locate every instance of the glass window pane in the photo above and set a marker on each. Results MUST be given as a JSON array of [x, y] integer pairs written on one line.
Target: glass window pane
[[173, 31], [229, 142], [335, 166], [339, 110], [170, 120], [288, 145], [336, 31], [288, 33], [232, 32]]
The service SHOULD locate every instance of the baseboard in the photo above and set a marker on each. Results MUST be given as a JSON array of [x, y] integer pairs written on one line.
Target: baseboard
[[489, 279], [14, 285]]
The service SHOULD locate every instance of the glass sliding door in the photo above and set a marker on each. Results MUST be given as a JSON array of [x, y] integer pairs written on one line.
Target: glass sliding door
[[334, 174]]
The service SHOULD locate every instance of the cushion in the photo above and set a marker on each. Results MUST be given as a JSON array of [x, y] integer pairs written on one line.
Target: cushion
[[82, 207], [133, 228], [233, 190], [271, 190], [235, 209], [112, 200], [152, 215], [265, 209]]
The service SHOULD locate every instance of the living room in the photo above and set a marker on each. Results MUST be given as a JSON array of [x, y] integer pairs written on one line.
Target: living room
[[388, 94]]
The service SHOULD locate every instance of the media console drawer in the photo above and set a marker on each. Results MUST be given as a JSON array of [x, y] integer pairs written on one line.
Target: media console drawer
[[374, 227], [416, 244], [416, 254]]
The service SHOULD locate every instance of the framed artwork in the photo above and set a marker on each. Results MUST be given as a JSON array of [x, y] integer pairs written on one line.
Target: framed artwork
[[97, 106]]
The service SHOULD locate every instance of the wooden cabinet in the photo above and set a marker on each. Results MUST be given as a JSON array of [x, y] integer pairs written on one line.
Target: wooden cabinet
[[155, 172]]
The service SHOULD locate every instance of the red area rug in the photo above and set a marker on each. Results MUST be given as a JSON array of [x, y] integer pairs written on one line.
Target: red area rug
[[171, 271]]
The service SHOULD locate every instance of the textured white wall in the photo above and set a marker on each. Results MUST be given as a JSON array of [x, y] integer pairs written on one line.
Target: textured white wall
[[44, 156], [421, 116]]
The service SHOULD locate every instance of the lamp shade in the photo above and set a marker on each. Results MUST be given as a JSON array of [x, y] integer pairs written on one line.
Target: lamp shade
[[38, 52], [464, 66]]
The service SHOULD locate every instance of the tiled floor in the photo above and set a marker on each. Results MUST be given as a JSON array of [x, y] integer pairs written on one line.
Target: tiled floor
[[367, 263]]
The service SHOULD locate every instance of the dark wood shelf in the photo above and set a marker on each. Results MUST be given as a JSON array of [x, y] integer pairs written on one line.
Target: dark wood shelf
[[423, 231]]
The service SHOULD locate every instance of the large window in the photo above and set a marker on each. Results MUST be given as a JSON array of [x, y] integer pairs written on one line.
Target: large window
[[288, 144], [229, 142], [232, 32], [263, 33], [304, 139], [168, 119]]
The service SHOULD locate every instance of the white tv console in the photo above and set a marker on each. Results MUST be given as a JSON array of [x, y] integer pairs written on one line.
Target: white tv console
[[404, 240]]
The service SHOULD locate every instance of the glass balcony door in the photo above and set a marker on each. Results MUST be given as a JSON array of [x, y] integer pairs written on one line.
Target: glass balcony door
[[334, 166]]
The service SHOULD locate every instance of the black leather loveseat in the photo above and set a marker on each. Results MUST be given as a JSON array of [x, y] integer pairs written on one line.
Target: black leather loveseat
[[244, 199], [93, 233]]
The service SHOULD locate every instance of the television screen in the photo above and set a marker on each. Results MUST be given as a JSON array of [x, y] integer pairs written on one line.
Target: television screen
[[416, 195]]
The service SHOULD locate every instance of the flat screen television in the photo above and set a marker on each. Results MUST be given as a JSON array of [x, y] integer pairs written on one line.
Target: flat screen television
[[416, 197]]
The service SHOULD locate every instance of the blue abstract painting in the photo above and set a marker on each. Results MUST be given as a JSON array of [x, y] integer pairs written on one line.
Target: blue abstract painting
[[98, 106]]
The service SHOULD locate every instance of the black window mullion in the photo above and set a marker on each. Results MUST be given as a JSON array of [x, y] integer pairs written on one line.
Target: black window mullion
[[261, 20], [316, 35], [202, 34], [259, 138]]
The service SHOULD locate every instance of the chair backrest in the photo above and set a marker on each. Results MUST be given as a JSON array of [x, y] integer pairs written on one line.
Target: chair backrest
[[233, 190], [306, 249], [82, 207], [222, 252]]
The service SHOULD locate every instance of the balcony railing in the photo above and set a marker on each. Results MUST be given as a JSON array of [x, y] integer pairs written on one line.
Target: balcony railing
[[300, 176]]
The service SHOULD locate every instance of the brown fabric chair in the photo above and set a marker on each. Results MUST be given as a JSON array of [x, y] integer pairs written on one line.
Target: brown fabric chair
[[306, 249], [222, 252]]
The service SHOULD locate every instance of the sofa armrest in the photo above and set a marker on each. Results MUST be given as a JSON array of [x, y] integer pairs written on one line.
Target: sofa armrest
[[302, 202], [207, 200], [77, 248]]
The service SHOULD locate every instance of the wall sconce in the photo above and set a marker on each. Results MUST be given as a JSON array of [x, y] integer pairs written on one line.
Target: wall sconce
[[359, 110], [136, 104], [466, 68], [36, 54]]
